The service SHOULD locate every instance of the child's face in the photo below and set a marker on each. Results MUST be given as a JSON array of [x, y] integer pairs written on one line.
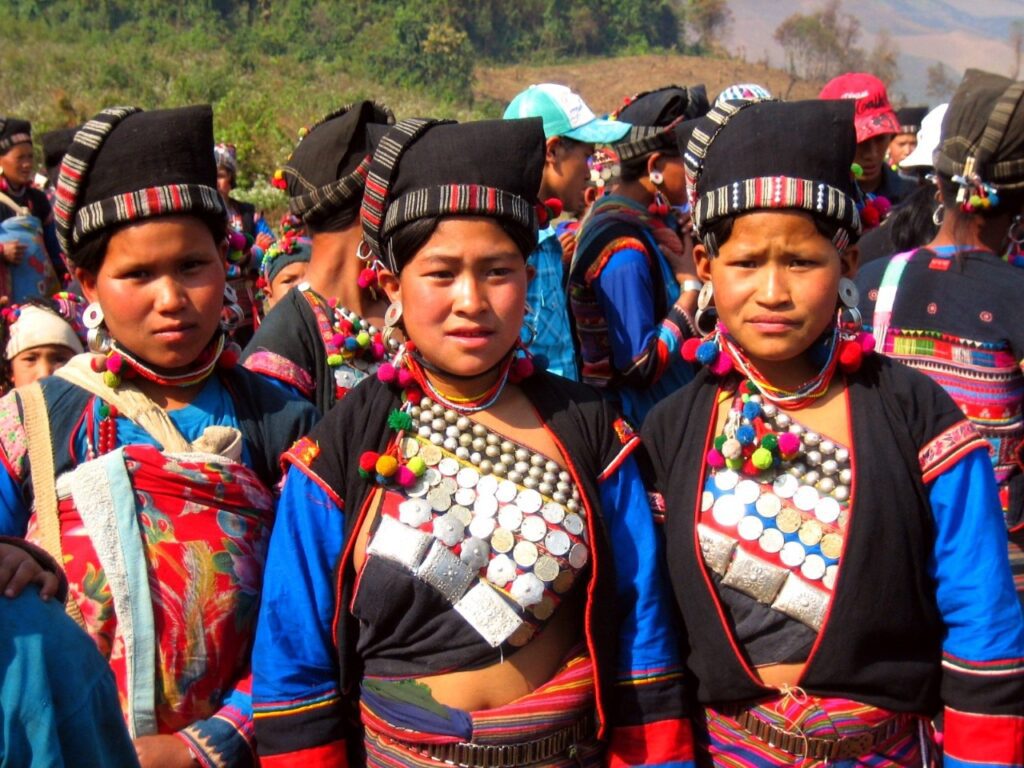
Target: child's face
[[38, 362]]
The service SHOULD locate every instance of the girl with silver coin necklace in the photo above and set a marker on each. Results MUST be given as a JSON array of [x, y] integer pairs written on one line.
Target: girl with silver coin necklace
[[472, 537], [831, 517]]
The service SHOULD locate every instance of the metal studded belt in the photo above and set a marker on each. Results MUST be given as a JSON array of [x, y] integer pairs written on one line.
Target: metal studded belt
[[823, 747], [469, 755]]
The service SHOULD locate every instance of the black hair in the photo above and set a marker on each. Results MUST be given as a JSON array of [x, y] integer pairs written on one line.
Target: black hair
[[1009, 201], [911, 224], [335, 221], [407, 240], [633, 169], [717, 234], [89, 253]]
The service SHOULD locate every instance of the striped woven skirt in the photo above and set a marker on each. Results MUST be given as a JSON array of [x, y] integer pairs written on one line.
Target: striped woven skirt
[[397, 714], [730, 744]]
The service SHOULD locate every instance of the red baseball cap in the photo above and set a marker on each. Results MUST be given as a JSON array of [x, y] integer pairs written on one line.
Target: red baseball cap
[[874, 115]]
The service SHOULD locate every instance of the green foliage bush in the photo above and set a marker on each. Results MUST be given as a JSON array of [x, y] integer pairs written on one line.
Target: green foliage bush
[[270, 66]]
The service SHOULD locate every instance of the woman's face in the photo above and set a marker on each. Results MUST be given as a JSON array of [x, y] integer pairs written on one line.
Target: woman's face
[[18, 165], [463, 295], [161, 288], [776, 282], [225, 182], [38, 363]]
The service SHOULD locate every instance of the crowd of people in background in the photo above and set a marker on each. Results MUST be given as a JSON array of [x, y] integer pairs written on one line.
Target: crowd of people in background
[[690, 434]]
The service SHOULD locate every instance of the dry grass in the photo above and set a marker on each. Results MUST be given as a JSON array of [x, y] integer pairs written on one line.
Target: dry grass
[[604, 83]]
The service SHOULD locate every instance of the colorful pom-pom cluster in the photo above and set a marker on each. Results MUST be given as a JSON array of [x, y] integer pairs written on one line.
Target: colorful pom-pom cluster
[[751, 448], [975, 194], [353, 337], [873, 211]]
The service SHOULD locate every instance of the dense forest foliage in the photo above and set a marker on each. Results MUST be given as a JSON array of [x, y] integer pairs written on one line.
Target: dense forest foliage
[[270, 66]]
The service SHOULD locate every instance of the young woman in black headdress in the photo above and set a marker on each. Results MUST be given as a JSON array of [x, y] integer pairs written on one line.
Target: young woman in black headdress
[[464, 549], [145, 469], [832, 526]]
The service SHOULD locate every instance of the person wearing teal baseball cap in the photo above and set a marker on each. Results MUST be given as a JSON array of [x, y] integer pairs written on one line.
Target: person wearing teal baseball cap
[[571, 130]]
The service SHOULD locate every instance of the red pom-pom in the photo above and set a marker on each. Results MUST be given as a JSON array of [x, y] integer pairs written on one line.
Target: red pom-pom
[[367, 278], [554, 206], [851, 354], [689, 350], [230, 356], [869, 216], [522, 368], [749, 469], [98, 363], [368, 462], [387, 373], [413, 395]]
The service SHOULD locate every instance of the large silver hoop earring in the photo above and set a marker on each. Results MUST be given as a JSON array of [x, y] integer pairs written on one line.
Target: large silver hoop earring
[[705, 317], [97, 338], [938, 215], [232, 315], [529, 328], [849, 295], [1015, 234]]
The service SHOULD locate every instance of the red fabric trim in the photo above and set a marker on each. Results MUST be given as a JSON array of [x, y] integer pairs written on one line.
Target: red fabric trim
[[976, 738], [296, 462], [665, 741], [619, 458], [328, 756]]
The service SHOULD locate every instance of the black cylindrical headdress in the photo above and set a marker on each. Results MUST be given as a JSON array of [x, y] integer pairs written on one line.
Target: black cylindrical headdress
[[428, 168], [766, 155], [654, 115], [14, 130], [127, 165], [983, 133], [327, 169], [55, 144]]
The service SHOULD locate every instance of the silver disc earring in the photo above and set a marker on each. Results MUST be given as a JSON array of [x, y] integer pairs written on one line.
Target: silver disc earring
[[848, 293], [705, 317]]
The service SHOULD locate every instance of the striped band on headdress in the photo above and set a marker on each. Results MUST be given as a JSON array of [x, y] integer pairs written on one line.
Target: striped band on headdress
[[323, 200], [378, 180], [75, 221], [14, 131], [644, 139]]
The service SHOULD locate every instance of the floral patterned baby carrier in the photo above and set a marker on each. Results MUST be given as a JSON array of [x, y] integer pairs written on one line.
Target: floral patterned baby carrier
[[163, 552]]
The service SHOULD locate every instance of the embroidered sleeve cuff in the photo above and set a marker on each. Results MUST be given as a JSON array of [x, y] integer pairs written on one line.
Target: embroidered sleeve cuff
[[973, 740], [663, 743]]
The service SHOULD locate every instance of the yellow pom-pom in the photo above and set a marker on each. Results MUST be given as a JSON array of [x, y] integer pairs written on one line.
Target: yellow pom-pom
[[363, 339], [417, 466], [111, 379], [762, 458], [386, 466]]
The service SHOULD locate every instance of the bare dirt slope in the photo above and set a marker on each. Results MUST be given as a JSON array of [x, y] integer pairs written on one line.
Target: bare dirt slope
[[604, 83]]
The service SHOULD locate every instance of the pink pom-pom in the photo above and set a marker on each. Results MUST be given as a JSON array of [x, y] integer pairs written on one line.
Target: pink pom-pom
[[883, 205], [721, 366], [789, 443], [522, 368], [404, 378], [236, 240], [387, 373], [378, 350], [337, 340], [867, 342], [715, 459], [405, 477], [114, 362], [689, 350]]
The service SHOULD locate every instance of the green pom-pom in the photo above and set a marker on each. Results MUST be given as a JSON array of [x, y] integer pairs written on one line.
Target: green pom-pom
[[719, 442], [104, 411], [111, 379], [335, 359], [770, 441], [751, 387], [400, 421], [734, 464], [762, 458], [416, 465], [357, 324], [856, 170], [363, 339]]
